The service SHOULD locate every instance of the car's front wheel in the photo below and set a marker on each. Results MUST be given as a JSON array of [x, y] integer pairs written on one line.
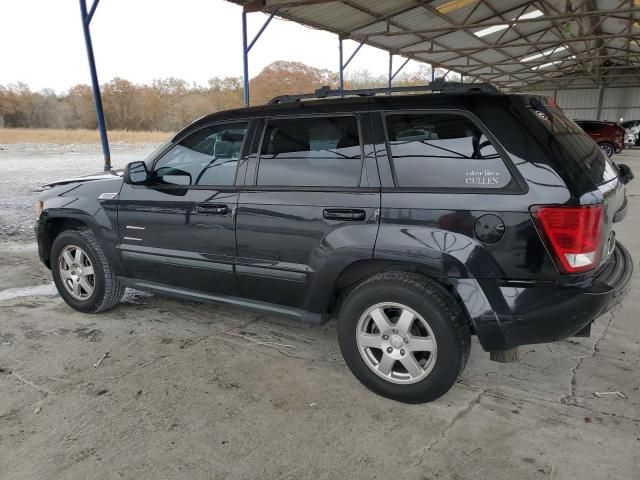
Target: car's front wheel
[[404, 336], [82, 274]]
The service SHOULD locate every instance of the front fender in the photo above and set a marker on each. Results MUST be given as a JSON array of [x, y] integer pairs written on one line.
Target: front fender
[[98, 215]]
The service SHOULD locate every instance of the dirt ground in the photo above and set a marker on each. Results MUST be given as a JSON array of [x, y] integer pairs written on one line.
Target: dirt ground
[[191, 391]]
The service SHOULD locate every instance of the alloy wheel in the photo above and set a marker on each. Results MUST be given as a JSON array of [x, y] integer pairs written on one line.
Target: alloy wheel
[[76, 272], [607, 149], [396, 343]]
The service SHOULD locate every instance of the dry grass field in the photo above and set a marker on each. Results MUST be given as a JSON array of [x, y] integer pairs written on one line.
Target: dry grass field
[[46, 135]]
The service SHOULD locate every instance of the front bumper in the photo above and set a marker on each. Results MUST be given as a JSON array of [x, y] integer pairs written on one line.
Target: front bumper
[[39, 231], [522, 315]]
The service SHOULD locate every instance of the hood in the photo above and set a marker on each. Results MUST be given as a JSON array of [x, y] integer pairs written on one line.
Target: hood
[[86, 178]]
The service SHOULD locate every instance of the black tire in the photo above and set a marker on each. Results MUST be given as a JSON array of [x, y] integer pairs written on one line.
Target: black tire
[[107, 292], [608, 148], [440, 310]]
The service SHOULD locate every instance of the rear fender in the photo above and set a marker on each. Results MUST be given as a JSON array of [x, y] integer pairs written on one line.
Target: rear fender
[[443, 253], [454, 259], [341, 248]]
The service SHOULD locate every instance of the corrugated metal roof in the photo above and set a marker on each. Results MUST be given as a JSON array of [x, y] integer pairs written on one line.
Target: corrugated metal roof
[[487, 39]]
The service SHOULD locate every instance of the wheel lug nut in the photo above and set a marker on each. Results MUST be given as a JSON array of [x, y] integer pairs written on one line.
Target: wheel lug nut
[[385, 337], [395, 331], [401, 352], [389, 350], [406, 340]]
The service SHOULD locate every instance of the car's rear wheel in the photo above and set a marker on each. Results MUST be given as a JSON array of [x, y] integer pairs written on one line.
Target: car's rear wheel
[[607, 148], [82, 274], [404, 336]]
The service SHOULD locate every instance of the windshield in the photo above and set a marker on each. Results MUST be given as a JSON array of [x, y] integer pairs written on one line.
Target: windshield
[[578, 146]]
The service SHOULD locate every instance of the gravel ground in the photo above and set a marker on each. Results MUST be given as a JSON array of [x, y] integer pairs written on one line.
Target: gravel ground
[[26, 167], [192, 391]]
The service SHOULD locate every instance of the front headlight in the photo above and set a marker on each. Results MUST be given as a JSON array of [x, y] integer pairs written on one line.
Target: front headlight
[[38, 208]]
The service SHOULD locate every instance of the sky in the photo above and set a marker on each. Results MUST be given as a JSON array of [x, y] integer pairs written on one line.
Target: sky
[[140, 40]]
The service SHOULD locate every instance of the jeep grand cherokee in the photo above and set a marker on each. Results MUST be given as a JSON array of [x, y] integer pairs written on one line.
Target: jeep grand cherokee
[[418, 220]]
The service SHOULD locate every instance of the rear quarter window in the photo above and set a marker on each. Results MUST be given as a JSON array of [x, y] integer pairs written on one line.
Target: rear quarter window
[[577, 146], [443, 150]]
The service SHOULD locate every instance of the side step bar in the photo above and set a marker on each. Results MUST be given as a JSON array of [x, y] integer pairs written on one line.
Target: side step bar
[[303, 316]]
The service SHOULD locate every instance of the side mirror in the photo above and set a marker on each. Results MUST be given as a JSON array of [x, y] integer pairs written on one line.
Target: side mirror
[[177, 179], [173, 176], [136, 173], [626, 175]]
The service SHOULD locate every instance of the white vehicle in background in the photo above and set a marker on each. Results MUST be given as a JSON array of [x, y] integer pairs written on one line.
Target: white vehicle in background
[[632, 132]]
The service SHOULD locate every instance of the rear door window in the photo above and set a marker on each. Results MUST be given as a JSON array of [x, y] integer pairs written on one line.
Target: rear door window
[[443, 150], [311, 152]]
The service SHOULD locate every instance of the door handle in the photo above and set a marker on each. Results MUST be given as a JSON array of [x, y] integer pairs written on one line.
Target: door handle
[[212, 209], [344, 214]]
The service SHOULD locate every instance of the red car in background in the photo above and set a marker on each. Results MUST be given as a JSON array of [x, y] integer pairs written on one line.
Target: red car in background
[[608, 135]]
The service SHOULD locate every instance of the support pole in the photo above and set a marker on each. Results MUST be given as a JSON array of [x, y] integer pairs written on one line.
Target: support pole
[[344, 64], [245, 61], [86, 21], [246, 48], [390, 69], [600, 101], [395, 74], [341, 69]]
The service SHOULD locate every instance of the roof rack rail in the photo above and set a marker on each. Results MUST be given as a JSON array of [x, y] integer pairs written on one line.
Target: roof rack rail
[[438, 85]]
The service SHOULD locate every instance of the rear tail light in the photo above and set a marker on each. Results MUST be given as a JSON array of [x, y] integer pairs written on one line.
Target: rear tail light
[[571, 233]]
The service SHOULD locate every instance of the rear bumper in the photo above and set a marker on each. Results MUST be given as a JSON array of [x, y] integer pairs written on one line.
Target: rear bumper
[[511, 316]]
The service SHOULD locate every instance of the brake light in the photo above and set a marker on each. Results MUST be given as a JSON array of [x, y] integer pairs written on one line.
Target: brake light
[[571, 233]]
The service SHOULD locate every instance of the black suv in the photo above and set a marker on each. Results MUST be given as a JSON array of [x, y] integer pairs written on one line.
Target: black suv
[[417, 220]]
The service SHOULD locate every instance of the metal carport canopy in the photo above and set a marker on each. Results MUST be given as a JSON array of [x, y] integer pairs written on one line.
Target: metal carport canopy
[[512, 44]]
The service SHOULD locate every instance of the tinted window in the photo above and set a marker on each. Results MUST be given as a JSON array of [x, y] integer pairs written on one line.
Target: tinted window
[[589, 127], [443, 150], [311, 152], [579, 147], [206, 157]]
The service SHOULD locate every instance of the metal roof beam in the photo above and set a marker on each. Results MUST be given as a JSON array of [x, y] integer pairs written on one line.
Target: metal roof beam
[[558, 30], [481, 25], [92, 10], [463, 28], [268, 5], [512, 45], [549, 58], [391, 22], [424, 44]]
